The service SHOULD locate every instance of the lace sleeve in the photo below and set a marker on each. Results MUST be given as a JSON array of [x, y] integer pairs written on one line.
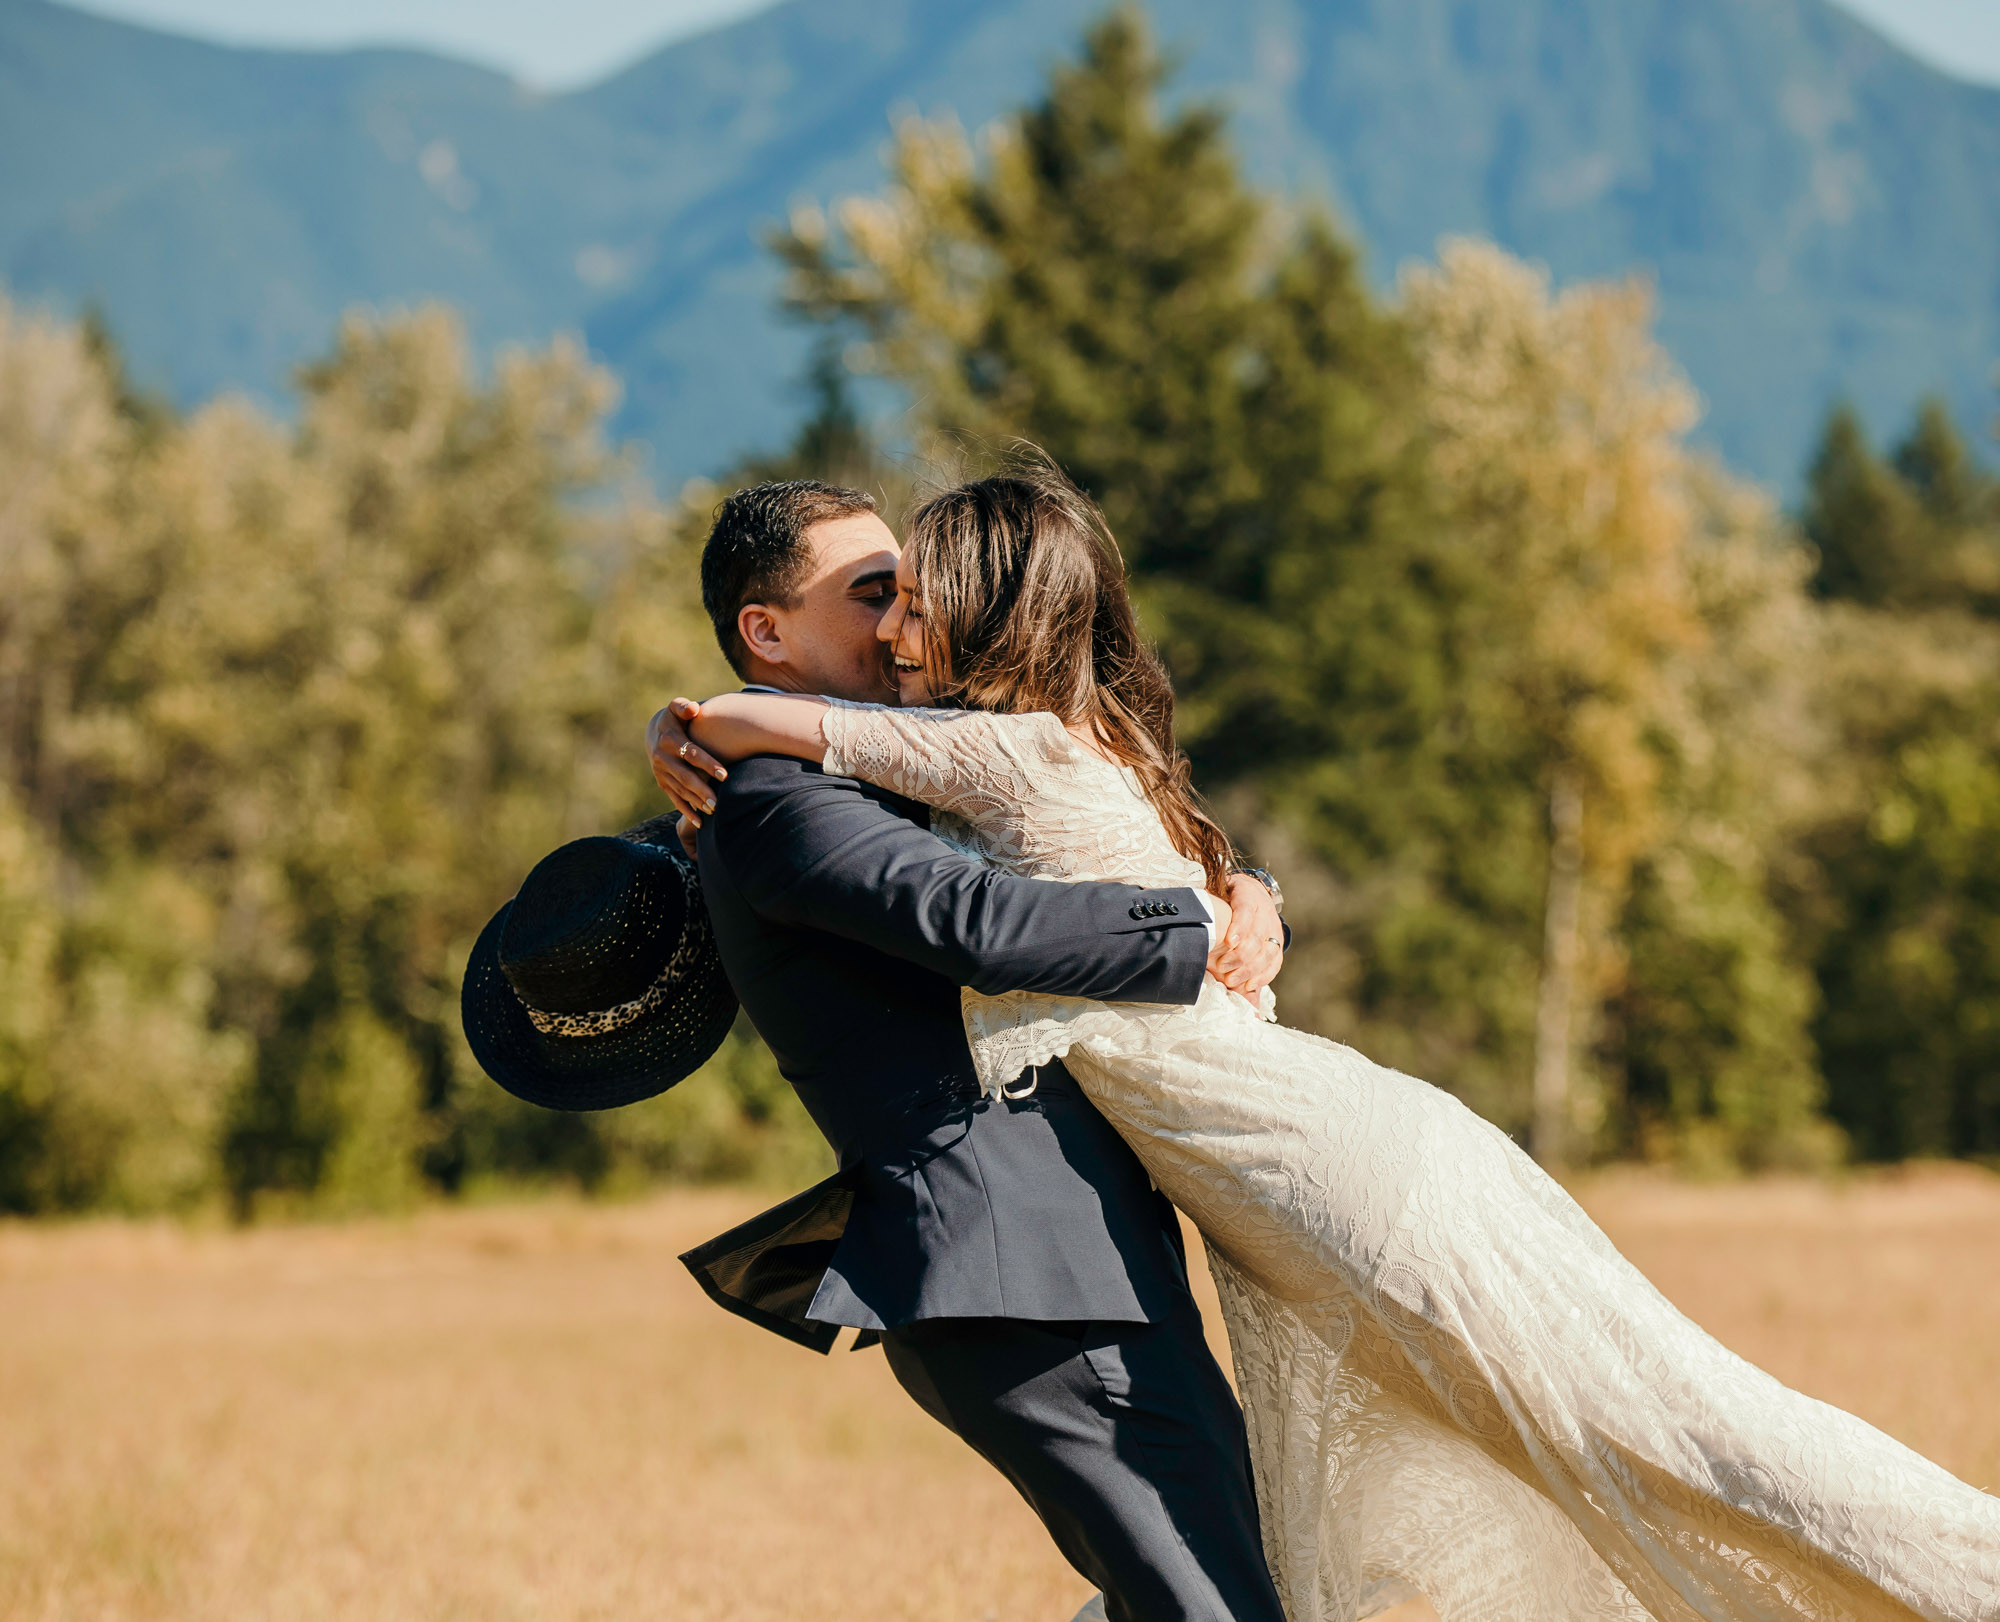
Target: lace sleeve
[[977, 765]]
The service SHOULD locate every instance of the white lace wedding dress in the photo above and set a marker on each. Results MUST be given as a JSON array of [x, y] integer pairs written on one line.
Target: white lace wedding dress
[[1454, 1384]]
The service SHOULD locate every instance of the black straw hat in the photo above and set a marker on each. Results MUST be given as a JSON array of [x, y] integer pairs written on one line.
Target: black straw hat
[[599, 984]]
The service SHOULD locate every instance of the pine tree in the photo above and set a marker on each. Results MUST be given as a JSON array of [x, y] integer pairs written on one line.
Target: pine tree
[[1858, 515], [1921, 529], [1939, 471]]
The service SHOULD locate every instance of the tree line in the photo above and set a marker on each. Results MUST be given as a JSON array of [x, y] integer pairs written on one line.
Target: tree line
[[286, 710], [1647, 818]]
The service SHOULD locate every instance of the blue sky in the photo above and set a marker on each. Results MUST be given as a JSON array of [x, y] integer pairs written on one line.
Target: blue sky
[[559, 43]]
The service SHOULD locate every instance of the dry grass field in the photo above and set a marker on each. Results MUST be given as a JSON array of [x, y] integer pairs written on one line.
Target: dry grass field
[[531, 1413]]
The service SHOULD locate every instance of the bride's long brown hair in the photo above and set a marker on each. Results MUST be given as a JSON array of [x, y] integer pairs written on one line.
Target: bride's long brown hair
[[1024, 606]]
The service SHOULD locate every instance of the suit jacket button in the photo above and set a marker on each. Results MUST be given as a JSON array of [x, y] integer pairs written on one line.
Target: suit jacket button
[[1173, 909], [1138, 909]]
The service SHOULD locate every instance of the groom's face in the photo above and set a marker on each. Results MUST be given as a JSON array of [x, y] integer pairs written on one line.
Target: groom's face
[[823, 640]]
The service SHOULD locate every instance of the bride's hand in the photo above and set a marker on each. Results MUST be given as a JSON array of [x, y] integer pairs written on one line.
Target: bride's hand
[[679, 762]]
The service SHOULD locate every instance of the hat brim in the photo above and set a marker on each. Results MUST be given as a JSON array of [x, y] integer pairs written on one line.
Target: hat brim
[[663, 1046]]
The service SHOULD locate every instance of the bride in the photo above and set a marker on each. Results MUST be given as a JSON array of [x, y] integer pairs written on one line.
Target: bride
[[1454, 1384]]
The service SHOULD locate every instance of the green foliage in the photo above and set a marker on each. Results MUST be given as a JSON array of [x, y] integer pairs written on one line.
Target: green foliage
[[1906, 923], [111, 1077], [284, 715], [1911, 1031], [1709, 1016]]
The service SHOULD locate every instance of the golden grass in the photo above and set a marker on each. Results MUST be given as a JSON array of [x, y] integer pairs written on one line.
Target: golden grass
[[530, 1413]]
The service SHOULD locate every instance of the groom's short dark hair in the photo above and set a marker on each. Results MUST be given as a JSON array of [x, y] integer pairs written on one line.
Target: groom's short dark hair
[[756, 551]]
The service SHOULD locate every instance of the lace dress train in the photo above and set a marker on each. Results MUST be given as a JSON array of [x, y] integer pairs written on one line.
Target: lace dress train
[[1453, 1382]]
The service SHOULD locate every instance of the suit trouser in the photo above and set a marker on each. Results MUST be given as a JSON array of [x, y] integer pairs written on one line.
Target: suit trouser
[[1124, 1438]]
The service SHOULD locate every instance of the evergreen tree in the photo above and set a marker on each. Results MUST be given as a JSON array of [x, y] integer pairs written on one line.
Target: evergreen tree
[[1938, 469], [1858, 515], [1919, 530]]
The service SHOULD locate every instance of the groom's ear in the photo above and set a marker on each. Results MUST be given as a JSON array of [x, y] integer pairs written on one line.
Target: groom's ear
[[762, 638]]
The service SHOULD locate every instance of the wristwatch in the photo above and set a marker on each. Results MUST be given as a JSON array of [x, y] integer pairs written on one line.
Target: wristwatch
[[1263, 877]]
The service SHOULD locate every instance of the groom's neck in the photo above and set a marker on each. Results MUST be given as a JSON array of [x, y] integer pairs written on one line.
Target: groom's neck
[[758, 674], [820, 683]]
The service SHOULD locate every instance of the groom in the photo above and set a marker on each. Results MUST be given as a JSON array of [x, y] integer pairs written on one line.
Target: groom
[[1026, 1281]]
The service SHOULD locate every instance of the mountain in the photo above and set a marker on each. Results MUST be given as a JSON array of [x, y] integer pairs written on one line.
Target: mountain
[[1821, 212]]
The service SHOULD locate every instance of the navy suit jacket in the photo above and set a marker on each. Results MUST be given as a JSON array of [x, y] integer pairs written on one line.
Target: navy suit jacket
[[847, 929]]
